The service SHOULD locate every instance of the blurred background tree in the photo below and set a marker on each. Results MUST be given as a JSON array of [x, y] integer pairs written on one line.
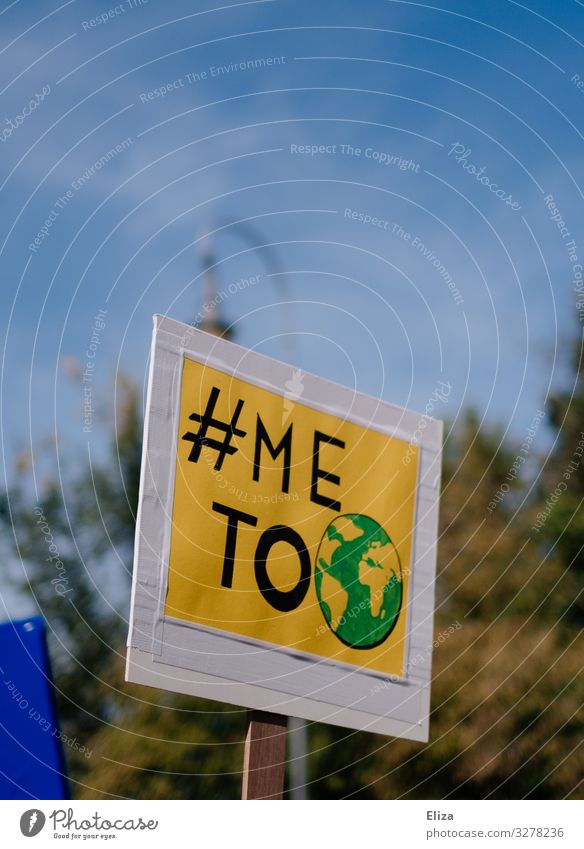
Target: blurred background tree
[[507, 687]]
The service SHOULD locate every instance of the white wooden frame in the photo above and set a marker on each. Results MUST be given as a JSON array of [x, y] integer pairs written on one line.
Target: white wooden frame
[[189, 658]]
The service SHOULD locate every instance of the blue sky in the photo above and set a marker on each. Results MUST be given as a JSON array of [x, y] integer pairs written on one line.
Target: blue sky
[[370, 309]]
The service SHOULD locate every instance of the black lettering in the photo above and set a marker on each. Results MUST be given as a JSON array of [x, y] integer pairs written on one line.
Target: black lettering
[[284, 445], [318, 473], [233, 517], [284, 600]]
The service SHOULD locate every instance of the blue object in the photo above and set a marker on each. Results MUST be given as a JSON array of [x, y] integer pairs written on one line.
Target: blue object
[[32, 765]]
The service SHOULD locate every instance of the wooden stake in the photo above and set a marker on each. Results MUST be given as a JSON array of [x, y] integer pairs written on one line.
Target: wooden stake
[[264, 758]]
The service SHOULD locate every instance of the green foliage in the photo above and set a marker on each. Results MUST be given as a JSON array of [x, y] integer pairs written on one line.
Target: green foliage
[[164, 746], [507, 686], [563, 525]]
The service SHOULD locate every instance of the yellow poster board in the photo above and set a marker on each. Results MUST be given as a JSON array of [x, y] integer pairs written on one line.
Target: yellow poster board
[[290, 525]]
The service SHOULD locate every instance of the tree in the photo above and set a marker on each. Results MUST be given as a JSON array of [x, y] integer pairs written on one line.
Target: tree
[[506, 690], [557, 516], [72, 544], [507, 684]]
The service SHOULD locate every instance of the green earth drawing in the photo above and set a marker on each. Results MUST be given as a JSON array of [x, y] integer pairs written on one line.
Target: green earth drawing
[[358, 581]]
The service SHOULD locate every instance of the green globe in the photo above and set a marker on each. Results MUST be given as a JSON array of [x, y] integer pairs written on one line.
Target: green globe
[[358, 581]]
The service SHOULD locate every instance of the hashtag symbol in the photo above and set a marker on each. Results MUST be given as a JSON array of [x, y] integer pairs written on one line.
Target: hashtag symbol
[[200, 438]]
